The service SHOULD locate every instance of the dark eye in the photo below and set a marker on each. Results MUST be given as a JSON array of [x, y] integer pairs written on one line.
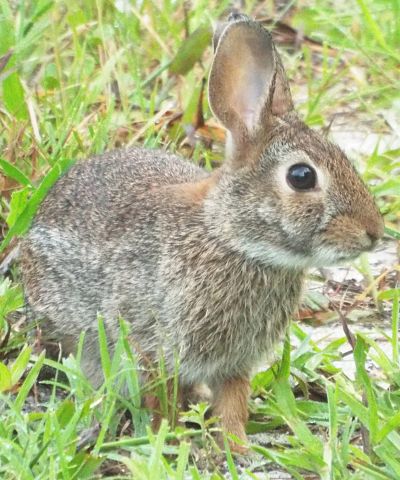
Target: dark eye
[[301, 177]]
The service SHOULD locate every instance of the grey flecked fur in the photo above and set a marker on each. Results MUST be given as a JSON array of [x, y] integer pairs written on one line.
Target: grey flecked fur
[[208, 266]]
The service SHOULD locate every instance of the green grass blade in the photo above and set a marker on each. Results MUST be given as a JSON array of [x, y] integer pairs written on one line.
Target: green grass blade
[[395, 329], [25, 218], [29, 382], [20, 364], [229, 460], [365, 382], [182, 461], [103, 346], [393, 423], [373, 26], [14, 172]]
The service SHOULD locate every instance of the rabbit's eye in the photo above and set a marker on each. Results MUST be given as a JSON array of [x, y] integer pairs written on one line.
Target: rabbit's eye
[[301, 177]]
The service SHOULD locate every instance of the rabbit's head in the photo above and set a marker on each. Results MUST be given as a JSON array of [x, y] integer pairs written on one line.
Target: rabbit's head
[[286, 196]]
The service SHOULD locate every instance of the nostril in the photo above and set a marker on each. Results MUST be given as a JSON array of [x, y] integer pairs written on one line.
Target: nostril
[[374, 236], [373, 239], [375, 230]]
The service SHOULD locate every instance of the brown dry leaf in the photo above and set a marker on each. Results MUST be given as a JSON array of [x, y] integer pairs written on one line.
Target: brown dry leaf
[[304, 314], [321, 317], [211, 132], [7, 185], [324, 317]]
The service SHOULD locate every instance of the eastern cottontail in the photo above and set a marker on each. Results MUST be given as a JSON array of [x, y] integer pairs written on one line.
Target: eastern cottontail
[[208, 266]]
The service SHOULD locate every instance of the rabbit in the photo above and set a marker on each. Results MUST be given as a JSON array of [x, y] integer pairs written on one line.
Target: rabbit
[[205, 266]]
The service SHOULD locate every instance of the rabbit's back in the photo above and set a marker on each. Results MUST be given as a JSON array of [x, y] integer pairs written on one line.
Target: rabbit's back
[[88, 196], [99, 217]]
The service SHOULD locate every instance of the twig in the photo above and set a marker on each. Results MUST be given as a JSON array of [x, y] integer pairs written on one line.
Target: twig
[[349, 335], [352, 341]]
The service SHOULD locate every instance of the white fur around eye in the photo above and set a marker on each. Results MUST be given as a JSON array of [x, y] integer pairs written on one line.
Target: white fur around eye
[[293, 158]]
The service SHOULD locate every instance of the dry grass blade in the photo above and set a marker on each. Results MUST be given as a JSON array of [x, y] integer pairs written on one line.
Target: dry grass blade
[[116, 73], [4, 59]]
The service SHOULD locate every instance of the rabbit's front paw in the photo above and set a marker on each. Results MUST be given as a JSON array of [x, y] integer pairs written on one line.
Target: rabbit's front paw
[[230, 404]]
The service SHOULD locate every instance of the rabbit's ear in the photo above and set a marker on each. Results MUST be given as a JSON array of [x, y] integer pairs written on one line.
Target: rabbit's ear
[[247, 80]]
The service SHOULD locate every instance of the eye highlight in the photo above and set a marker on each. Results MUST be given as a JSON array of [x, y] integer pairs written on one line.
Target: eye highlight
[[301, 177]]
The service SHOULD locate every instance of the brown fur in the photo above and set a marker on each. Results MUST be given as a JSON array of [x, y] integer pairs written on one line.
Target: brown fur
[[195, 193], [230, 403], [206, 268]]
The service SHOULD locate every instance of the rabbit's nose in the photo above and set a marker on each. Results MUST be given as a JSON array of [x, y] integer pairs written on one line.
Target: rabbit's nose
[[375, 231], [373, 237]]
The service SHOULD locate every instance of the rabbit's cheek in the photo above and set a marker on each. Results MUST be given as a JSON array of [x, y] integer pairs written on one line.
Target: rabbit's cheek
[[267, 211], [300, 222]]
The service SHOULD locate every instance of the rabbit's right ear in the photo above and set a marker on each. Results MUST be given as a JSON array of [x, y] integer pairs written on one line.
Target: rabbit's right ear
[[247, 84]]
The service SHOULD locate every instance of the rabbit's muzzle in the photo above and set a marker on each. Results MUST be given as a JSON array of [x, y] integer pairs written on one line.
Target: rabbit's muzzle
[[350, 237]]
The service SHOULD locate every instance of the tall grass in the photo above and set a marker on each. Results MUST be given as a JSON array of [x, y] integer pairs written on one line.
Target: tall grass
[[77, 79]]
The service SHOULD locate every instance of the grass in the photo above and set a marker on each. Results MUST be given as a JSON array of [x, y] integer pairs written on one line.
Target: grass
[[74, 82]]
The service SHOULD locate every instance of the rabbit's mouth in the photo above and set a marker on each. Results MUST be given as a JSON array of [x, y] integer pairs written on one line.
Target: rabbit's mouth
[[344, 238], [316, 256], [335, 254], [348, 257], [288, 258]]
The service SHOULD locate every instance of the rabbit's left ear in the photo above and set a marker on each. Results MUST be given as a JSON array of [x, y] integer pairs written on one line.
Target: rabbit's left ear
[[247, 80]]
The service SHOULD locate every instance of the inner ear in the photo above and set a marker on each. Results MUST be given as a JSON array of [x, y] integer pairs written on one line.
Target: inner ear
[[241, 76], [245, 74], [249, 93]]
